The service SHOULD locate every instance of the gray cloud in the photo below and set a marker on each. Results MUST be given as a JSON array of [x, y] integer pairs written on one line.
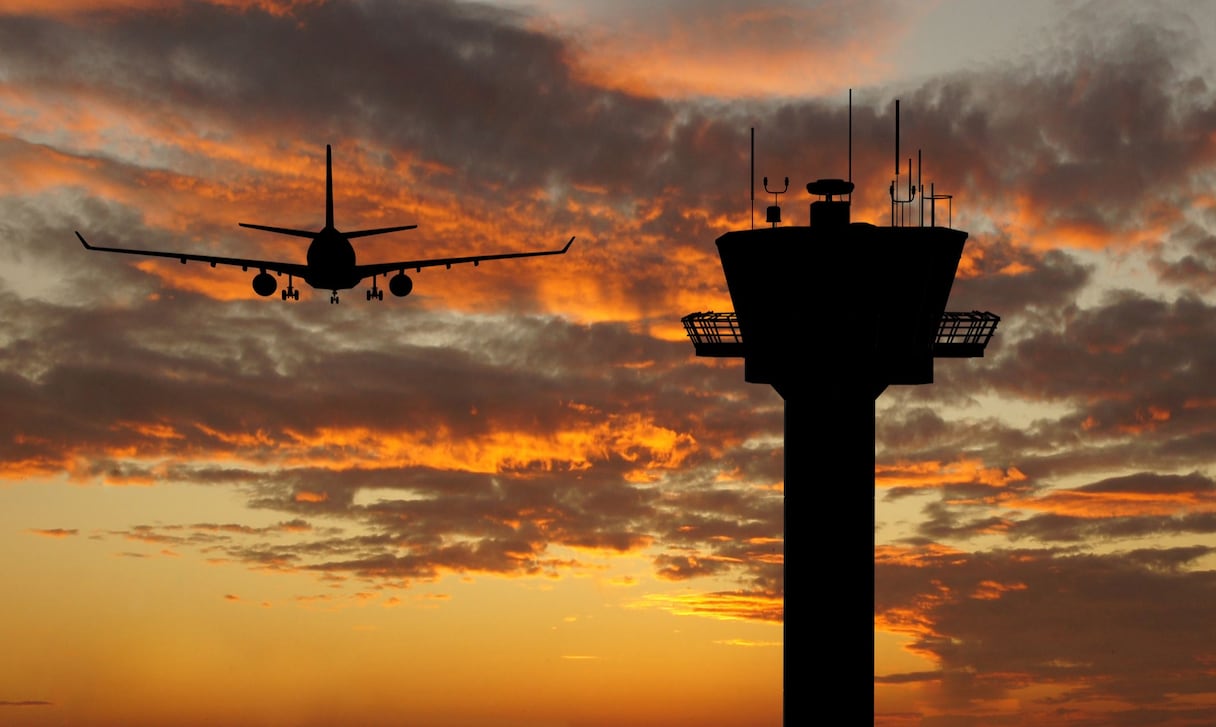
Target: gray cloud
[[1063, 618]]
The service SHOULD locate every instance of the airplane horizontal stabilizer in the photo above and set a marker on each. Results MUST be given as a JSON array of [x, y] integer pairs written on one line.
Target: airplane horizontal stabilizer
[[378, 231], [279, 230]]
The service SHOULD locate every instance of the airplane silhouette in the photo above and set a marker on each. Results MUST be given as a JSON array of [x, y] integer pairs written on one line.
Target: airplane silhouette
[[331, 258]]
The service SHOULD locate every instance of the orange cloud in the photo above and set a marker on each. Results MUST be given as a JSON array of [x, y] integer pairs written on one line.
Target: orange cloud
[[53, 532], [630, 437], [993, 590], [154, 430], [32, 467], [744, 52], [915, 557], [1146, 420], [1100, 505], [931, 474], [592, 436], [905, 621], [1024, 219], [226, 285], [725, 606]]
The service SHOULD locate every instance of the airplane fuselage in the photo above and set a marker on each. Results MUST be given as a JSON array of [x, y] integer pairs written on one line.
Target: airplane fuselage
[[331, 261]]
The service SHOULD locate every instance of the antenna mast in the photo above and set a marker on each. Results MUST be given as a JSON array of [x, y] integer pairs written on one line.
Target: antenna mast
[[895, 200], [753, 177]]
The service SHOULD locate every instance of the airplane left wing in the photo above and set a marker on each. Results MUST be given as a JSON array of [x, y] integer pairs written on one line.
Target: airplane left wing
[[365, 271], [244, 263]]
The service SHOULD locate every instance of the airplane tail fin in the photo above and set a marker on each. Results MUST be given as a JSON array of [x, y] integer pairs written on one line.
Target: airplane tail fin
[[329, 211], [329, 189]]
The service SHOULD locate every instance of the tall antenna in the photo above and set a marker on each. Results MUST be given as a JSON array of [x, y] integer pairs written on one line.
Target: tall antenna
[[895, 200], [753, 177]]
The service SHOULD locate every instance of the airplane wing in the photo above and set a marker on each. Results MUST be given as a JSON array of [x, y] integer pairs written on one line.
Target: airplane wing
[[417, 265], [245, 263]]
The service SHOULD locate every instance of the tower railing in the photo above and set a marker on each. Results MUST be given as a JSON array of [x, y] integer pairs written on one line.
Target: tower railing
[[964, 334], [714, 334], [960, 334]]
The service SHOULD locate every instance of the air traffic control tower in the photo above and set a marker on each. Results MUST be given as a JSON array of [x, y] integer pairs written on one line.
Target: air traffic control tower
[[830, 314]]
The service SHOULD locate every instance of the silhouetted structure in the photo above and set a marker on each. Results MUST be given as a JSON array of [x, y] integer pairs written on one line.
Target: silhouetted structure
[[830, 315], [330, 259]]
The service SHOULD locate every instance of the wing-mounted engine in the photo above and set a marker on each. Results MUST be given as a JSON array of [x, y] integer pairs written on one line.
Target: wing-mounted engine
[[264, 284], [400, 285]]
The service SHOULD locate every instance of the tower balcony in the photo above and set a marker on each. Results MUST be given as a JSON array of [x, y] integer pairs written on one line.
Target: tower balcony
[[959, 334]]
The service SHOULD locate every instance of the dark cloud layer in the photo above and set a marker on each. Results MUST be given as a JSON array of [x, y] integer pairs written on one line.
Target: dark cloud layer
[[89, 402], [1076, 621]]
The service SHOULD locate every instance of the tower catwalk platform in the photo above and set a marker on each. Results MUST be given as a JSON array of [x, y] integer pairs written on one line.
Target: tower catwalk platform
[[830, 314]]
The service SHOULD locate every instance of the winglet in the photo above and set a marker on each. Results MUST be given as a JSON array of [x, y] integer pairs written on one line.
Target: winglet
[[568, 244], [87, 246]]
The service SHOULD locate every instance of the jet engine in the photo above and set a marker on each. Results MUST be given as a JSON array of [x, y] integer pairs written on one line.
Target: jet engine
[[401, 285], [264, 284]]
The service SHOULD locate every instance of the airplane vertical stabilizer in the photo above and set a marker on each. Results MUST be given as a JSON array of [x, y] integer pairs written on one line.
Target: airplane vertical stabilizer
[[329, 189]]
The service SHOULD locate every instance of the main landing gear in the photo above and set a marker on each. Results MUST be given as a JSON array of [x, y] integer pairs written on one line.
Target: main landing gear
[[333, 297], [375, 293], [290, 293]]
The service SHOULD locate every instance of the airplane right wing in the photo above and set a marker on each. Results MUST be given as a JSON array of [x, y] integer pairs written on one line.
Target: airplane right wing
[[296, 269], [365, 271]]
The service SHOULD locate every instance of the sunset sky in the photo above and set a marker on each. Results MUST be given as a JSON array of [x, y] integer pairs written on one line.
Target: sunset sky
[[516, 498]]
